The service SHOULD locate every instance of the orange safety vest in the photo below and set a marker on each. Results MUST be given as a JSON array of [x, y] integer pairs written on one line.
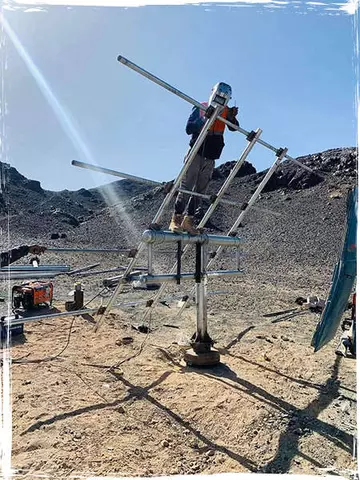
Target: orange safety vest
[[218, 126]]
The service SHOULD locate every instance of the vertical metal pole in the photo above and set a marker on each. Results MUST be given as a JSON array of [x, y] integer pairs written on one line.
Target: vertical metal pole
[[203, 301], [238, 256], [178, 270], [201, 318], [150, 259], [252, 141], [188, 160]]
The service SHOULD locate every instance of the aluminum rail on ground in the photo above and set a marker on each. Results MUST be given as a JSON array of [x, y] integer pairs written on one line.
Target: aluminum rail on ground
[[244, 212], [19, 321], [40, 268], [30, 275], [88, 250], [188, 99], [187, 163], [252, 141]]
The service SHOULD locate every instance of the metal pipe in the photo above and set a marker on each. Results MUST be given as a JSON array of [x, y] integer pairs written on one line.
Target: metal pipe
[[212, 207], [135, 178], [30, 268], [172, 277], [201, 307], [89, 250], [83, 269], [194, 102], [19, 321], [98, 272], [150, 259], [157, 237], [188, 160], [30, 275]]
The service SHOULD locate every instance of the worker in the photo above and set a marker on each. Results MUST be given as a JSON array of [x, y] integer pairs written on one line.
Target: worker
[[19, 252], [199, 174]]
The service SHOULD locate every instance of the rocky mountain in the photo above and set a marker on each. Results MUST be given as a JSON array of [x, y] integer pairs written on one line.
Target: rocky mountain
[[299, 217]]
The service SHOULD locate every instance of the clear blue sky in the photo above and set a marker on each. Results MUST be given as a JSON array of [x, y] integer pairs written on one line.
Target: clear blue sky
[[292, 73]]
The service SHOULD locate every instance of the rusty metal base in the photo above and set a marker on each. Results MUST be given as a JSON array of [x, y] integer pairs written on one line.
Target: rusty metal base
[[206, 359]]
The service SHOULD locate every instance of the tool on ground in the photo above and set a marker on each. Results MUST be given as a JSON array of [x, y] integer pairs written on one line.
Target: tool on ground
[[347, 344], [314, 304], [78, 301], [32, 294], [35, 262]]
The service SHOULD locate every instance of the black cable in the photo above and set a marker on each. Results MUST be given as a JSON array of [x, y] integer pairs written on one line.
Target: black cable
[[48, 359]]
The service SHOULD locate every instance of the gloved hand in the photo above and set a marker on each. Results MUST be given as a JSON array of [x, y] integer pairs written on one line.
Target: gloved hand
[[233, 111], [36, 249]]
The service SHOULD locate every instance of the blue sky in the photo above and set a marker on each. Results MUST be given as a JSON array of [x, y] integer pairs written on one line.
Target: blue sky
[[291, 70]]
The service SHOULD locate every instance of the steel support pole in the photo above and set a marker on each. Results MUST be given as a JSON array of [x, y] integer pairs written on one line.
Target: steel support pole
[[150, 259], [188, 160], [201, 304], [188, 99], [211, 208]]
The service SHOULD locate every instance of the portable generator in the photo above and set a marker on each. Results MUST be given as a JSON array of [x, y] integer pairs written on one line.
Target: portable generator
[[32, 294]]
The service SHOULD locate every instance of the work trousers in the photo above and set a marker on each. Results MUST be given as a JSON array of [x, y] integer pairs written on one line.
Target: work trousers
[[196, 179]]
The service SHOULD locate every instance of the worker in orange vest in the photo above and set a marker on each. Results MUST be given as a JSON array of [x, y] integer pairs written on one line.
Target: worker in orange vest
[[200, 172]]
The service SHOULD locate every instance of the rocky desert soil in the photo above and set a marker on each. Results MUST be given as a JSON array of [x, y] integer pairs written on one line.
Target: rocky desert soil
[[271, 406]]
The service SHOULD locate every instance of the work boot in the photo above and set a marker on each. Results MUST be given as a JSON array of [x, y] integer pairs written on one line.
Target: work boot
[[188, 225], [175, 224]]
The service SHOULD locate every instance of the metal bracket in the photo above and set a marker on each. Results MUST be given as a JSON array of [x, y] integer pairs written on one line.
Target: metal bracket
[[251, 135], [280, 152]]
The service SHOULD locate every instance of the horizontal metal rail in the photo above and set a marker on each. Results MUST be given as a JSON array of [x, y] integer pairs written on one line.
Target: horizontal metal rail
[[21, 320], [158, 237], [98, 272], [88, 250], [30, 275], [114, 173], [194, 102], [30, 268], [168, 277]]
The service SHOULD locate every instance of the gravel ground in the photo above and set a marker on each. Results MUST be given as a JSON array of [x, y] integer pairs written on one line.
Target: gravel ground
[[272, 405]]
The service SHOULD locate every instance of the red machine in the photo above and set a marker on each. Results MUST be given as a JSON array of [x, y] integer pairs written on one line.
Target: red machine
[[32, 294]]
